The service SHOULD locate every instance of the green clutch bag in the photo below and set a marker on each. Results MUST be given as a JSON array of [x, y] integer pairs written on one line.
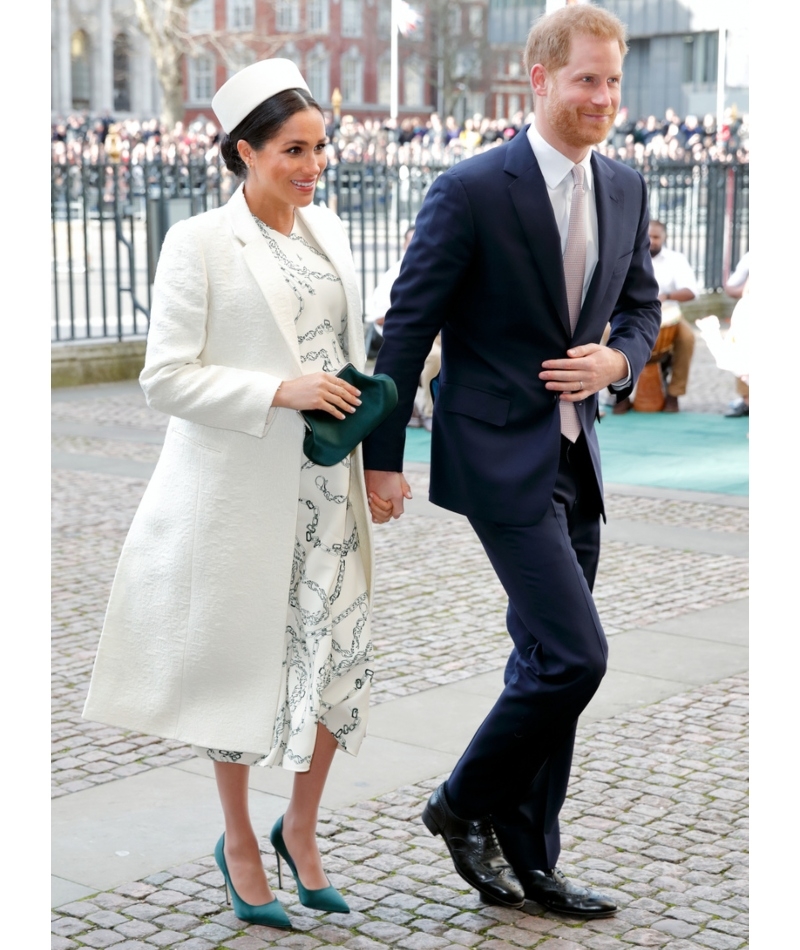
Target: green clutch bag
[[328, 440]]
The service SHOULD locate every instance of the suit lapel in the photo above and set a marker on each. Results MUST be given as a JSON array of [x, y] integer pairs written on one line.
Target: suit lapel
[[609, 204], [265, 270], [532, 203]]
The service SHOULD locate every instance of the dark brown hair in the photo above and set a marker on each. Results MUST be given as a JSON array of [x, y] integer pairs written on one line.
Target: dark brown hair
[[263, 124]]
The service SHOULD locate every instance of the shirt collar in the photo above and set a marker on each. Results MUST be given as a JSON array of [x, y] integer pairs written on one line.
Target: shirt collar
[[554, 166]]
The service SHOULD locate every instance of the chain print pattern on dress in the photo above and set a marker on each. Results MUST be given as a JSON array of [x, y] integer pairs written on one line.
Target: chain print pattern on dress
[[326, 669], [298, 276]]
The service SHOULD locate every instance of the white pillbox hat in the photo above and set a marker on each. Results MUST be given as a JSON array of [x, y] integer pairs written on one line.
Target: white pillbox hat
[[248, 88]]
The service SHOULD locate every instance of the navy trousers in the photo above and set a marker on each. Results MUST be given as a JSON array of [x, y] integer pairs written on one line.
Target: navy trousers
[[516, 768]]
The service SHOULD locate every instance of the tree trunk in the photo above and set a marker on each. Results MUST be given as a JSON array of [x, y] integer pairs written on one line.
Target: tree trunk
[[163, 23]]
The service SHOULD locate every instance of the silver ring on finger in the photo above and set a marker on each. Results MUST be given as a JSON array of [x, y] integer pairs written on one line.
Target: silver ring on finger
[[580, 386]]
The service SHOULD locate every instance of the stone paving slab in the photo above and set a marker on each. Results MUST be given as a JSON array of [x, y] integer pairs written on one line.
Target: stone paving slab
[[656, 816]]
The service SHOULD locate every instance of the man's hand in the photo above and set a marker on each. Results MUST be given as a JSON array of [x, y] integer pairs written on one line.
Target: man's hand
[[587, 370], [385, 493]]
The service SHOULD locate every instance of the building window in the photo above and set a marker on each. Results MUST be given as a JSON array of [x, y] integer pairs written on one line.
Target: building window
[[476, 21], [352, 77], [700, 58], [318, 72], [81, 70], [240, 57], [200, 16], [122, 73], [287, 16], [201, 78], [510, 20], [351, 17], [414, 82], [454, 20], [241, 15], [467, 63], [317, 14]]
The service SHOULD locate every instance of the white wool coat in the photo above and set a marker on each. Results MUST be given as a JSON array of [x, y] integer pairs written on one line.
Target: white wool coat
[[194, 634]]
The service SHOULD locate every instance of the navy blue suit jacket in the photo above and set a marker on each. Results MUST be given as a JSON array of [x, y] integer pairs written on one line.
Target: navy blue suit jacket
[[485, 268]]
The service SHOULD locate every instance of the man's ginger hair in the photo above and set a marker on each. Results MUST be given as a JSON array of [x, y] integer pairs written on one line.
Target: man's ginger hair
[[550, 36]]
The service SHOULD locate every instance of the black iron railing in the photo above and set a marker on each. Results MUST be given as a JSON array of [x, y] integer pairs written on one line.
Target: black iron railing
[[109, 222]]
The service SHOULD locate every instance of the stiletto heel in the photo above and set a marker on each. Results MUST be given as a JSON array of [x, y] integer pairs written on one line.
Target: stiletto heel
[[323, 898], [271, 914], [280, 876]]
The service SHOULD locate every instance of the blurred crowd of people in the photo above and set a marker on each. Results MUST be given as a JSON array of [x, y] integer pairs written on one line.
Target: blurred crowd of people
[[422, 141]]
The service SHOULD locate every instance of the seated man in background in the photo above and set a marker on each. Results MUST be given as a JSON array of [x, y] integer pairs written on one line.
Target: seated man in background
[[677, 284]]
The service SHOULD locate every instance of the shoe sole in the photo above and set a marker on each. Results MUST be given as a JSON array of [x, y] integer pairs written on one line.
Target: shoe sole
[[555, 910], [431, 824]]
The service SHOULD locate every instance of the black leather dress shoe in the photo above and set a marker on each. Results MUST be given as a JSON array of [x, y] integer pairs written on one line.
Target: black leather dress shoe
[[475, 851], [552, 890]]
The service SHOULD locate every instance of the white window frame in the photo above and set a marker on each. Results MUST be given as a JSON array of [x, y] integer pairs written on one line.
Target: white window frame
[[318, 16], [201, 77], [414, 79], [318, 73], [200, 17], [352, 18], [476, 20], [384, 76], [352, 94], [287, 16], [241, 15]]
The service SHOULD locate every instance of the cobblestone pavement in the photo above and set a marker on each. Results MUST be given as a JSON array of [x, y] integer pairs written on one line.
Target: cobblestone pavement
[[657, 806], [453, 589], [656, 817]]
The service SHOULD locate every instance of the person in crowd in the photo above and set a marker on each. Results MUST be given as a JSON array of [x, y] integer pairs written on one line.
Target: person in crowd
[[520, 258], [677, 284], [632, 142], [239, 618]]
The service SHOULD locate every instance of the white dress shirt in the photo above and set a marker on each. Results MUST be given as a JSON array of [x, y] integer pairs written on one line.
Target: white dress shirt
[[673, 272], [557, 173]]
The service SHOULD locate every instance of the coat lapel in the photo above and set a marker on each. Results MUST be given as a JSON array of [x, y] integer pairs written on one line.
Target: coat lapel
[[532, 203], [609, 204], [265, 270]]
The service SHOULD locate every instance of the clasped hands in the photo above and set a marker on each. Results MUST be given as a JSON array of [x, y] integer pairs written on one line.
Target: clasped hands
[[587, 370]]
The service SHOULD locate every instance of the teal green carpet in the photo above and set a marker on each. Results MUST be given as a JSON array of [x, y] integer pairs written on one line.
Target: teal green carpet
[[686, 450]]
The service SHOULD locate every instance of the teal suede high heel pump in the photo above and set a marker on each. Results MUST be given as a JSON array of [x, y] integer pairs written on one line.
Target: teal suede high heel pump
[[268, 915], [324, 898]]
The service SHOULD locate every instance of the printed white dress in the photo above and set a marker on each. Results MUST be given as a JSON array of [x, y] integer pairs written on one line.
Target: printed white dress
[[327, 667]]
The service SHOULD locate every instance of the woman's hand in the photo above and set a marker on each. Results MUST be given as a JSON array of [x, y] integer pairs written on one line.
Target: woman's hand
[[386, 491], [318, 391], [380, 510]]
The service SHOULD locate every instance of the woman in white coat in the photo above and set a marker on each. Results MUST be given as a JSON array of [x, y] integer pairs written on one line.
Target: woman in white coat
[[239, 615]]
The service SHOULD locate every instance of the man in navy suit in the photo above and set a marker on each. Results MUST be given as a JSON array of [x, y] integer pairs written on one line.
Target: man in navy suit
[[521, 257]]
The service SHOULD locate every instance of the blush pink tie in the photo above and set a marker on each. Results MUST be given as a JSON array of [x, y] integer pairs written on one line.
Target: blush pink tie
[[574, 271]]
